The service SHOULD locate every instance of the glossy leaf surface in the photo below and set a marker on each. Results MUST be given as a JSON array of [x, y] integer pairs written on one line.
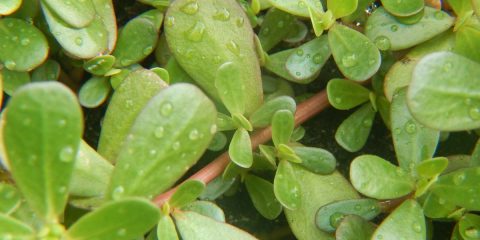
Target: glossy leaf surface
[[9, 6], [275, 27], [468, 226], [49, 71], [352, 134], [94, 92], [317, 160], [263, 197], [9, 198], [11, 228], [99, 65], [297, 7], [308, 59], [262, 117], [344, 94], [231, 88], [403, 8], [207, 209], [186, 193], [286, 186], [13, 80], [342, 8], [354, 227], [77, 14], [166, 228], [282, 127], [240, 149], [432, 167]]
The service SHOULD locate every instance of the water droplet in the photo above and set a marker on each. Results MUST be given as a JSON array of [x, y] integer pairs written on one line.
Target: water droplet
[[25, 41], [66, 154], [193, 135], [367, 123], [176, 145], [170, 21], [121, 232], [14, 38], [62, 123], [126, 62], [358, 207], [128, 103], [417, 227], [153, 152], [394, 28], [217, 59], [349, 60], [458, 178], [317, 58], [233, 47], [166, 109], [159, 132], [196, 33], [475, 113], [78, 41], [439, 15], [400, 172], [379, 236], [147, 50], [298, 74], [190, 8], [382, 43], [301, 4], [441, 201], [240, 21], [397, 130], [410, 127], [299, 52], [10, 64], [222, 14], [472, 233], [118, 192], [336, 218]]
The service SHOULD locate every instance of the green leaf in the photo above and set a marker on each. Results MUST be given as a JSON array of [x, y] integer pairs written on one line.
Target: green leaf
[[469, 226], [276, 64], [432, 167], [328, 215], [377, 178], [435, 103], [10, 228], [268, 152], [314, 189], [354, 227], [166, 228], [94, 92], [127, 102], [284, 152], [136, 41], [352, 134], [412, 141], [274, 28], [9, 198], [84, 43], [216, 188], [403, 8], [168, 137], [308, 59], [91, 174], [49, 71], [76, 14], [286, 187], [99, 65], [460, 188], [436, 207], [105, 12], [297, 7], [22, 46], [467, 39], [460, 6], [231, 88], [283, 123], [407, 221], [381, 25], [344, 94], [196, 32], [7, 7], [193, 226], [356, 56], [263, 197], [42, 158], [186, 193], [240, 149], [218, 142], [132, 218], [162, 73], [262, 117], [13, 80], [316, 19], [317, 160], [207, 209], [342, 8]]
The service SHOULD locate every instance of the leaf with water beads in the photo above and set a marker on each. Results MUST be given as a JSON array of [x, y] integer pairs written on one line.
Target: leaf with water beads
[[353, 227], [186, 193], [168, 136], [377, 178], [317, 160], [403, 8], [75, 14], [11, 228], [407, 221], [356, 56], [401, 36], [283, 123], [94, 92], [49, 71], [286, 187], [297, 7], [274, 29], [22, 46], [263, 197], [344, 94], [276, 64], [435, 103], [308, 59], [132, 218], [230, 87], [240, 149], [437, 207], [99, 65], [329, 216], [469, 226], [353, 132], [53, 146], [342, 8]]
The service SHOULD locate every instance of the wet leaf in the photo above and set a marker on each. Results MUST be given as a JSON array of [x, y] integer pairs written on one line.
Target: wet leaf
[[403, 8], [9, 198], [435, 103], [297, 7], [94, 92], [354, 227], [76, 14], [377, 178], [353, 132], [469, 226], [286, 186], [317, 160], [9, 6], [127, 102], [133, 217], [14, 229], [262, 117], [274, 29], [231, 88], [207, 209], [308, 59], [166, 228], [344, 94], [276, 64], [99, 65], [34, 46], [356, 56], [186, 193], [436, 207], [51, 148], [13, 80], [432, 167], [407, 221], [240, 149], [263, 197], [381, 26], [168, 136], [342, 8], [329, 215]]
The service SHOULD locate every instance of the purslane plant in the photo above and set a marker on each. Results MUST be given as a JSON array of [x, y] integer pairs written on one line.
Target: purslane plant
[[178, 78]]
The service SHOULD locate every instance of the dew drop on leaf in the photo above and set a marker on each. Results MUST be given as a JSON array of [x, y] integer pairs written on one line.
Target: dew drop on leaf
[[79, 41], [394, 28], [213, 129], [458, 179], [121, 232], [166, 109], [299, 52], [439, 15], [176, 145], [196, 33], [170, 21], [240, 22], [472, 233], [193, 135], [66, 154], [410, 127], [474, 113], [159, 132], [317, 58], [417, 227], [118, 192], [233, 47], [147, 50], [222, 14], [25, 41], [349, 60], [190, 8], [9, 64], [382, 43]]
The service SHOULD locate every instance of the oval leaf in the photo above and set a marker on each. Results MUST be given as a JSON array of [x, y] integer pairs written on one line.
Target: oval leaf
[[432, 167], [275, 27], [403, 8], [308, 59], [186, 193], [316, 160], [377, 178], [99, 65], [77, 14], [166, 228], [263, 197], [133, 217], [240, 149], [13, 80], [286, 186], [94, 92], [168, 136], [262, 117], [42, 158], [207, 209], [231, 88], [352, 134], [354, 227], [342, 8], [344, 94], [283, 123]]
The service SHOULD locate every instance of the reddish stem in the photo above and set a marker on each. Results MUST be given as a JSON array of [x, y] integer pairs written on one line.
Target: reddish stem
[[305, 111]]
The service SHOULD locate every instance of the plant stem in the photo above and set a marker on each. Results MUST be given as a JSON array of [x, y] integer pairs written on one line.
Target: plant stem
[[305, 111]]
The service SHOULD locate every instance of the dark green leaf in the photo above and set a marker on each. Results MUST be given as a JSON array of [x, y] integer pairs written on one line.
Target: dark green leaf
[[240, 149], [49, 71], [13, 80], [317, 160], [275, 27], [308, 59], [344, 94], [186, 193], [352, 134], [286, 186], [354, 227], [263, 197], [216, 188]]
